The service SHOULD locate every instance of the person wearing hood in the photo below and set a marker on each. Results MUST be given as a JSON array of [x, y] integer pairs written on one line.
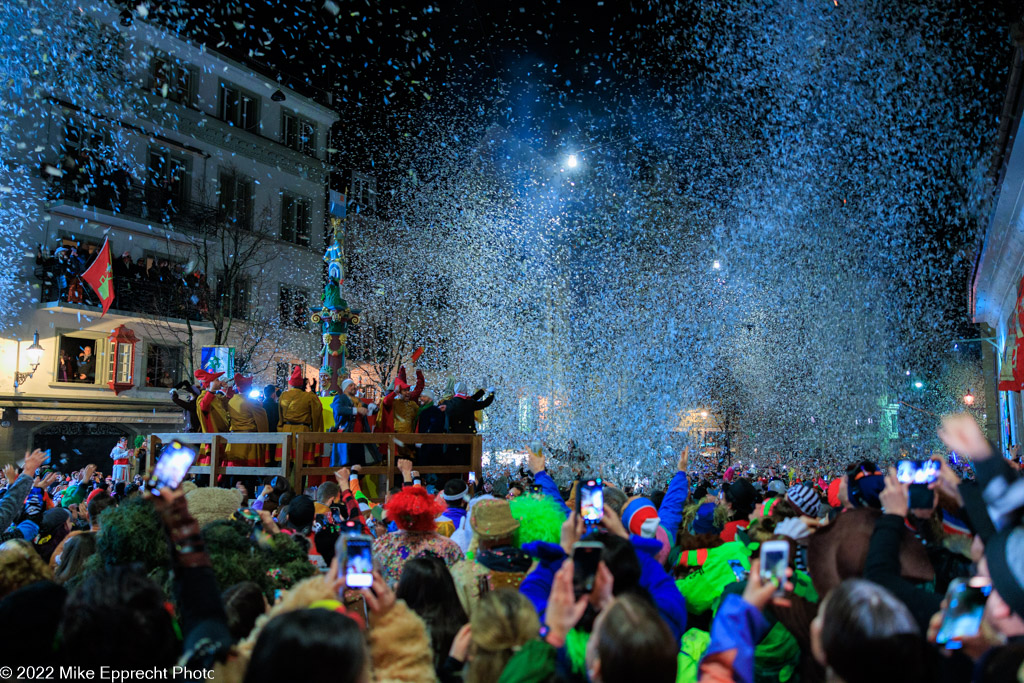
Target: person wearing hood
[[300, 411], [460, 411], [247, 416], [432, 419]]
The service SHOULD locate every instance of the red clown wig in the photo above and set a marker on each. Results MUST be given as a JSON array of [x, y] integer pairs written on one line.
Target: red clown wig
[[414, 509]]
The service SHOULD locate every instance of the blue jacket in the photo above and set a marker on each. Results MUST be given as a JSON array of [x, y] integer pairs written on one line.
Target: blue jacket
[[738, 627], [667, 598], [550, 488], [671, 510]]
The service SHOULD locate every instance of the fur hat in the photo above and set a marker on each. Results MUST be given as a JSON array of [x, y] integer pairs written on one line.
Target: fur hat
[[839, 551], [209, 504]]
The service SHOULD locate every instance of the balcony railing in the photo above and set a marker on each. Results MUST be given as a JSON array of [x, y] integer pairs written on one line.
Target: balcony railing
[[150, 204]]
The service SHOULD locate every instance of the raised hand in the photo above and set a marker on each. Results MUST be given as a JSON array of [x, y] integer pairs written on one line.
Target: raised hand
[[33, 461], [961, 433]]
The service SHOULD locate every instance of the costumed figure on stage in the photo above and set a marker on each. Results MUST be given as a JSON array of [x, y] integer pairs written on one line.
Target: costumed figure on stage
[[350, 415], [335, 317], [300, 411], [212, 408], [460, 410], [121, 455], [246, 415], [431, 420], [399, 410], [189, 410]]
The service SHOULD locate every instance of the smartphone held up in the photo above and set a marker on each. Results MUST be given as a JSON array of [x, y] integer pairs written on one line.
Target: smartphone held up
[[590, 501], [586, 556], [774, 561], [355, 559], [171, 468]]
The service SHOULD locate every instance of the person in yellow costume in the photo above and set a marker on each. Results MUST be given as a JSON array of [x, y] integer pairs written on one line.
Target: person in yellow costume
[[246, 415], [300, 411], [212, 407]]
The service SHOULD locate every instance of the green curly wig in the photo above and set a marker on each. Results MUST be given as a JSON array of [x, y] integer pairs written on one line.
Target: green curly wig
[[540, 518], [140, 441], [281, 563], [132, 533]]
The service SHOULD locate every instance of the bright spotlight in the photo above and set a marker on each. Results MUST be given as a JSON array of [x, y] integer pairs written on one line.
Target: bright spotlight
[[918, 384], [717, 265], [255, 393], [572, 161]]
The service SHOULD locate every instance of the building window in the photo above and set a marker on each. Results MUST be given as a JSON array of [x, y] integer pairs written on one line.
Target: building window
[[295, 219], [364, 191], [167, 181], [236, 193], [163, 365], [239, 108], [77, 358], [281, 374], [171, 79], [233, 297], [294, 305], [298, 133]]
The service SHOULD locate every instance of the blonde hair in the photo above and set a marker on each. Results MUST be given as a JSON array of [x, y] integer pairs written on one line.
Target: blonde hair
[[501, 623], [20, 565]]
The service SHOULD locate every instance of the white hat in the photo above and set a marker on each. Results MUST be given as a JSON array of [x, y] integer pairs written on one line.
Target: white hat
[[346, 384], [460, 388]]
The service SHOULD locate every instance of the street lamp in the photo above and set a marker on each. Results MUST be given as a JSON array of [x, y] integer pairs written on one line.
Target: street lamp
[[704, 414], [35, 356], [968, 398]]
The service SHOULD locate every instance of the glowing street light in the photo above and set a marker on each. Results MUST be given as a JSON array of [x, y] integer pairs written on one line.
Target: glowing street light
[[968, 398], [704, 414], [918, 384], [573, 161]]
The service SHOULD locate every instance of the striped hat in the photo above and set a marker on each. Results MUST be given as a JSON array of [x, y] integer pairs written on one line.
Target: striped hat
[[804, 499], [636, 512]]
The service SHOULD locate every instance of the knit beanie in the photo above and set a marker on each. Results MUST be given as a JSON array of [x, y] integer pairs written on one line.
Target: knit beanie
[[1005, 555], [803, 498]]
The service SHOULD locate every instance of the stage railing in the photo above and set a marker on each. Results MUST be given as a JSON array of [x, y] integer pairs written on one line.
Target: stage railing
[[294, 445]]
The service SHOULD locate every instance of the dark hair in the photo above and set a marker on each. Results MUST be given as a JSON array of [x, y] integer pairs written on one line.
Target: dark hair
[[620, 558], [308, 645], [77, 549], [657, 497], [95, 507], [122, 602], [427, 587], [615, 498], [454, 487], [635, 644], [243, 603], [861, 617], [268, 390]]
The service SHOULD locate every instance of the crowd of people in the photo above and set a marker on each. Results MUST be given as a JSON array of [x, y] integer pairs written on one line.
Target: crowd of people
[[143, 285], [868, 575]]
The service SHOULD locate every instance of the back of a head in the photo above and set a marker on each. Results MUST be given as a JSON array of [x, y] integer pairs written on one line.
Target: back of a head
[[620, 558], [118, 617], [20, 565], [308, 645], [503, 620], [455, 493], [77, 550], [243, 603], [429, 590], [860, 617], [100, 502], [634, 644], [615, 498], [326, 492]]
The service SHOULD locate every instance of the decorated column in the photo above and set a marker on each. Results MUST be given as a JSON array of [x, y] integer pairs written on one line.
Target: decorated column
[[335, 316]]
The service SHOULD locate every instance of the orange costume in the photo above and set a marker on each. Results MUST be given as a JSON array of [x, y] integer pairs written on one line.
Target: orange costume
[[300, 411], [212, 406], [246, 416]]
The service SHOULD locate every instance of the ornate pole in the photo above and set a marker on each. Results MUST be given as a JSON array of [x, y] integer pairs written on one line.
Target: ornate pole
[[335, 315]]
